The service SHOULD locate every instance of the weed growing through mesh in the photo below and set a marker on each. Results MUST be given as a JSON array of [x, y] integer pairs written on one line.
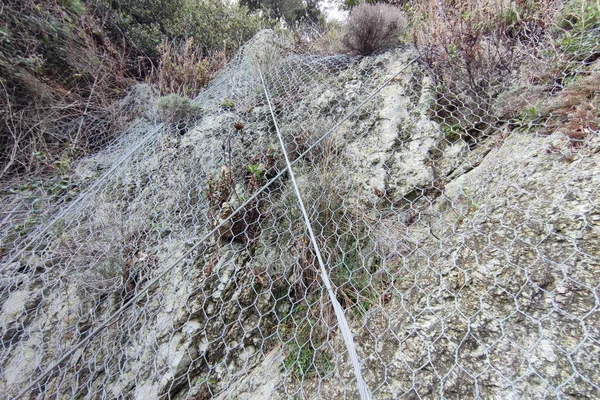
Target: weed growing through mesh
[[305, 343], [472, 50], [306, 328], [183, 68], [529, 118], [346, 246], [224, 196], [227, 104], [452, 132], [176, 109], [353, 275], [573, 110], [577, 29], [178, 112]]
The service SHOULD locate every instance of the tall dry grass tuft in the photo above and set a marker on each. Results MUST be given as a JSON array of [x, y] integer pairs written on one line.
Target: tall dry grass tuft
[[576, 110], [372, 27], [183, 68]]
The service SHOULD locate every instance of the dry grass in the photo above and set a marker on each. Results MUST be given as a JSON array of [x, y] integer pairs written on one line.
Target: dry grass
[[58, 86], [451, 28], [325, 41], [372, 27], [183, 68], [577, 109], [562, 86], [223, 198], [474, 49]]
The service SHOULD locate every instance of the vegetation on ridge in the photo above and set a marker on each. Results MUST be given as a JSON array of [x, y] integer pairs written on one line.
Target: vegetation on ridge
[[64, 65]]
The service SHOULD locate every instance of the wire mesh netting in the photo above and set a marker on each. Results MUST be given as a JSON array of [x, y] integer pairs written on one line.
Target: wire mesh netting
[[463, 255]]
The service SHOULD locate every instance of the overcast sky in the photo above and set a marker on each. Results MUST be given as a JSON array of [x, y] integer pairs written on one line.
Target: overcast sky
[[333, 10]]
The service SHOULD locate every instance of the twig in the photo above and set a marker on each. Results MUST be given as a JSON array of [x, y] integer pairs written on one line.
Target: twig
[[87, 105]]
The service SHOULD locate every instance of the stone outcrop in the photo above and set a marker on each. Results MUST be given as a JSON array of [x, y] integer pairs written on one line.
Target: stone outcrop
[[465, 268]]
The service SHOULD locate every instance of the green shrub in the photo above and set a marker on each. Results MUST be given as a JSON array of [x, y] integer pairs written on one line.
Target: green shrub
[[578, 33], [145, 24], [293, 12]]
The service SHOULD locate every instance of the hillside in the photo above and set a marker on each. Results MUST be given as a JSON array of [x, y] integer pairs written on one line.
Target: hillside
[[404, 223]]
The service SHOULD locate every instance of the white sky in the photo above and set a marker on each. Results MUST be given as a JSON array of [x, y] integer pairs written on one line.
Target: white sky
[[332, 9]]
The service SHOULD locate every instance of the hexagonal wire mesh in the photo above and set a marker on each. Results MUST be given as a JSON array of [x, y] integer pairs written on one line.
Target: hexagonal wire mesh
[[464, 258]]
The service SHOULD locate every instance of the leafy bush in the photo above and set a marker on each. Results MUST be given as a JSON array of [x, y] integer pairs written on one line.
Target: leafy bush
[[64, 63], [293, 12], [145, 24], [371, 27]]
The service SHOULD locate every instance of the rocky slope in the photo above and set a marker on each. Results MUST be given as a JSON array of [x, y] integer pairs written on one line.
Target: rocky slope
[[466, 268]]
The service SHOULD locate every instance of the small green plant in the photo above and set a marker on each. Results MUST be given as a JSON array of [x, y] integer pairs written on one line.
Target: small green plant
[[530, 117], [227, 104], [176, 109], [257, 170], [63, 165], [305, 338], [205, 380], [453, 133], [474, 204], [578, 20], [221, 194], [60, 186], [577, 37], [74, 6], [355, 283], [308, 361], [31, 221]]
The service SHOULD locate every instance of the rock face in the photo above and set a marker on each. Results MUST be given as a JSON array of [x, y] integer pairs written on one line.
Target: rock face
[[501, 296], [466, 269]]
